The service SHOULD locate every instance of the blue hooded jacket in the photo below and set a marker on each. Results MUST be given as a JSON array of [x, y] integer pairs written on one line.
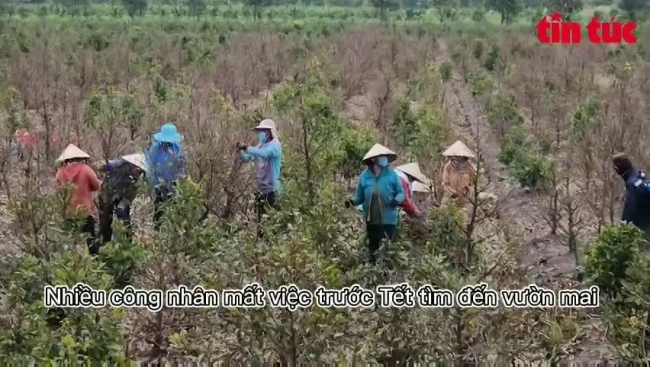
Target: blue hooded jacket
[[389, 188], [637, 203], [269, 165], [166, 165]]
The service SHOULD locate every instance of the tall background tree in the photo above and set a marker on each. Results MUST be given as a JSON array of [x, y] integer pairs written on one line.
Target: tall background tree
[[257, 6], [135, 7], [566, 7], [447, 9], [635, 9], [73, 7], [384, 6], [507, 8], [197, 7]]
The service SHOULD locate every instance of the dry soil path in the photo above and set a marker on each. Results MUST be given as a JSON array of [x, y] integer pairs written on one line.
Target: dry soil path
[[544, 256]]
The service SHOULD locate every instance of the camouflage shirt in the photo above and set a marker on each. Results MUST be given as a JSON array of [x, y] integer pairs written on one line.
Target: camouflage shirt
[[121, 181]]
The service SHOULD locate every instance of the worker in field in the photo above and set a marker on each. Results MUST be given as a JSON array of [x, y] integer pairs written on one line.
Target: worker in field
[[76, 172], [410, 175], [636, 209], [268, 155], [380, 191], [25, 143], [166, 165], [459, 172], [118, 191]]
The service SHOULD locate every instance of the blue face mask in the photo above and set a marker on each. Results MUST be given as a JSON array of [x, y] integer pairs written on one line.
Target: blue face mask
[[261, 136], [382, 161]]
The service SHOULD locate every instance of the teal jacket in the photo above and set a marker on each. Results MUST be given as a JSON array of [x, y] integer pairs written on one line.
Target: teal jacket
[[389, 187], [269, 165]]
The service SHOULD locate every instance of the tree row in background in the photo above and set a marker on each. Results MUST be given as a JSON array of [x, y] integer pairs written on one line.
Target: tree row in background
[[444, 10]]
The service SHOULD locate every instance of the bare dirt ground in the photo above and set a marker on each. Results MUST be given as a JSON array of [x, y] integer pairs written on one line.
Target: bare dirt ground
[[545, 257]]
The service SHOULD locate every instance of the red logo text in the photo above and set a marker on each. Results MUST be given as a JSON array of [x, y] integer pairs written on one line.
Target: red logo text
[[597, 31]]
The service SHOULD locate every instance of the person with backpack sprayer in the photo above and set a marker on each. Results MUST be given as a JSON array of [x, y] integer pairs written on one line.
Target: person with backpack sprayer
[[381, 193], [118, 191], [636, 209]]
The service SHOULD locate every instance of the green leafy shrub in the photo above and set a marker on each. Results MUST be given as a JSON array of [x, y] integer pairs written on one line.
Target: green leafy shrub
[[504, 114], [481, 84], [609, 258], [84, 335], [526, 161], [530, 169], [121, 259], [545, 144], [492, 57], [422, 131], [425, 84], [627, 317], [513, 144], [56, 255], [355, 143], [445, 71], [477, 51], [478, 15], [616, 265], [448, 237], [431, 135], [405, 122], [583, 119]]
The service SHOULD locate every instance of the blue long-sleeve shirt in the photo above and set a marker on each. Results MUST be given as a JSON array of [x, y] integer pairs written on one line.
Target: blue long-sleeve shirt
[[269, 165], [388, 187], [166, 165]]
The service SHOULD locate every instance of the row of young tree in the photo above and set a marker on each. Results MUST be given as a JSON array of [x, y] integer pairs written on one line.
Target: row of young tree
[[337, 96], [446, 10]]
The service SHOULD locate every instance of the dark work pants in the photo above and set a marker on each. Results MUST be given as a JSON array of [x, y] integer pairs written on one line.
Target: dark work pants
[[375, 234], [162, 194], [158, 209], [262, 203], [88, 227], [106, 220]]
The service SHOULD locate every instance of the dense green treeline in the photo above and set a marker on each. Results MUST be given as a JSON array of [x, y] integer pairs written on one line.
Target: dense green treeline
[[438, 11]]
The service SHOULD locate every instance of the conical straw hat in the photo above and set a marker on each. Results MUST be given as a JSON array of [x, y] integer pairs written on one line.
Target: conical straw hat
[[420, 187], [458, 149], [413, 170], [378, 150], [72, 152], [138, 160]]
